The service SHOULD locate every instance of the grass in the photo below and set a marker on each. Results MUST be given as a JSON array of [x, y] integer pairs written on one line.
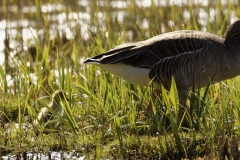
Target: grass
[[102, 119]]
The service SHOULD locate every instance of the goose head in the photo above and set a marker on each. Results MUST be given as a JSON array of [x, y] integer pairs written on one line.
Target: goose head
[[59, 96], [45, 114]]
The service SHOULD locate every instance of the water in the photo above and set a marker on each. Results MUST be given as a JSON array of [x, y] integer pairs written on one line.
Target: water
[[44, 156], [82, 17], [63, 22], [33, 155]]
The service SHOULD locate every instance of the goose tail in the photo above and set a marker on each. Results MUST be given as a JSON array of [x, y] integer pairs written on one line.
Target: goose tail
[[92, 61]]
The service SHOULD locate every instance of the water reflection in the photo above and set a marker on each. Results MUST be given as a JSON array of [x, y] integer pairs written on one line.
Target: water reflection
[[65, 17], [27, 25], [44, 156]]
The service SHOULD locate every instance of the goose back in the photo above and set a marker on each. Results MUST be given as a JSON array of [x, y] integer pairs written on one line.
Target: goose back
[[191, 57], [146, 53]]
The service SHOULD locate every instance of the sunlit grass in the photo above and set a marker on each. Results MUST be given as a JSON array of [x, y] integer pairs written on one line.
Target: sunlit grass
[[102, 117]]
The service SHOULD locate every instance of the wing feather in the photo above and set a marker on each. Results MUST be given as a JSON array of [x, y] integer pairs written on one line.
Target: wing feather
[[146, 53]]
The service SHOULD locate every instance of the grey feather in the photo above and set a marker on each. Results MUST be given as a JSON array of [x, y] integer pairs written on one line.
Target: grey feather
[[191, 57]]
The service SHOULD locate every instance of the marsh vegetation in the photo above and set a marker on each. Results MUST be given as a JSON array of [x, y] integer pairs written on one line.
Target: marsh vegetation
[[45, 43]]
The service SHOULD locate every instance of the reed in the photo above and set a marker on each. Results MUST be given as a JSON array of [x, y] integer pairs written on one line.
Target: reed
[[102, 119]]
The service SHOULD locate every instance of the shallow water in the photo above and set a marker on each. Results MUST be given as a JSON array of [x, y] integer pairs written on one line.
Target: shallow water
[[82, 14], [50, 155]]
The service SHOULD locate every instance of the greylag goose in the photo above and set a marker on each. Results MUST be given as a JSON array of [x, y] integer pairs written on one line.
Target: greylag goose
[[193, 58], [45, 114]]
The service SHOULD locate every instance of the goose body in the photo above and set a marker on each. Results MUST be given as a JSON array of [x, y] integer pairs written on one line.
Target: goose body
[[193, 58], [131, 74]]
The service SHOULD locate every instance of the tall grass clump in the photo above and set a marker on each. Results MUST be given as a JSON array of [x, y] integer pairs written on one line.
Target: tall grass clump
[[103, 117]]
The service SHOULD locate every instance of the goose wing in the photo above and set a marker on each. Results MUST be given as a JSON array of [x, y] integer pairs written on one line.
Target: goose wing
[[189, 68], [146, 53]]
